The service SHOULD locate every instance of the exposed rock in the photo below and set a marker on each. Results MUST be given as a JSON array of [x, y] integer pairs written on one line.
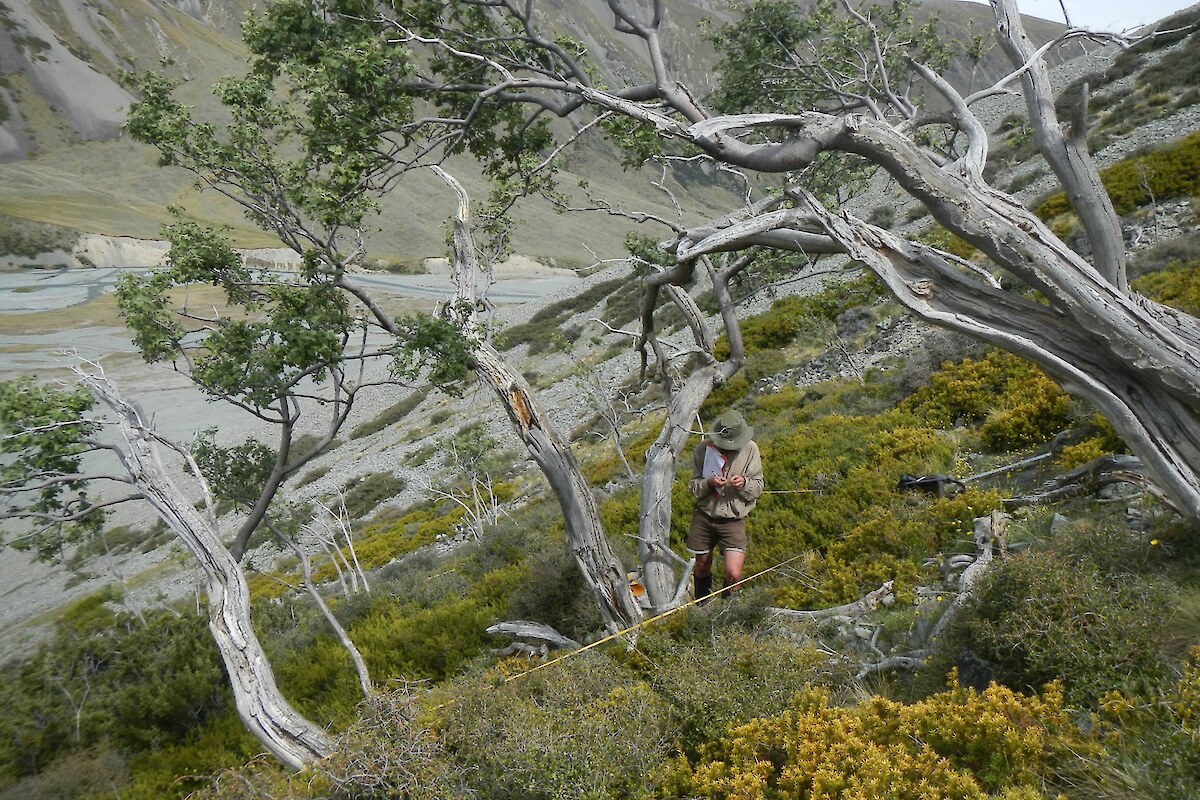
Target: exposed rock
[[96, 250]]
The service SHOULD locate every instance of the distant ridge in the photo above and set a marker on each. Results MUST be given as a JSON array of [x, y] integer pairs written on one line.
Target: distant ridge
[[63, 161]]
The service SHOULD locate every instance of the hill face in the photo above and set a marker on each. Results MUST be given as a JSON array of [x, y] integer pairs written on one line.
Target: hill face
[[64, 162], [826, 405]]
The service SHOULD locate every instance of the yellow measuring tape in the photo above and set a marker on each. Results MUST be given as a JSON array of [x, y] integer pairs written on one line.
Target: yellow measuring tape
[[646, 622]]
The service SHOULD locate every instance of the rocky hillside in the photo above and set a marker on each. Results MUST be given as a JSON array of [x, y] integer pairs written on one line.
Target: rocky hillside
[[64, 162]]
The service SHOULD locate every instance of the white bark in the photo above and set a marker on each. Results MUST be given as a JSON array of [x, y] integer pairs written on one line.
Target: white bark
[[989, 535], [523, 629], [546, 445], [654, 524], [290, 737], [863, 605], [360, 666]]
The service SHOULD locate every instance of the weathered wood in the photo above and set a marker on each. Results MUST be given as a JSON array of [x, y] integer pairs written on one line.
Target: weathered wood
[[989, 534], [523, 629], [290, 737], [545, 444], [1087, 479], [658, 477], [863, 605]]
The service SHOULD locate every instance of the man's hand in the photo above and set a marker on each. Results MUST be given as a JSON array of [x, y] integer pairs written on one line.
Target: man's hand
[[717, 481], [737, 481]]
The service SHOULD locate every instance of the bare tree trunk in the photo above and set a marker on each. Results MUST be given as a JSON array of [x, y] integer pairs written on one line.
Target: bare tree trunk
[[290, 737], [654, 527], [543, 441], [581, 517]]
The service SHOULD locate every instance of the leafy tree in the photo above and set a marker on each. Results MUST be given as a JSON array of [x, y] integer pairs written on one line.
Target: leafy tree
[[43, 435], [1129, 356], [142, 475]]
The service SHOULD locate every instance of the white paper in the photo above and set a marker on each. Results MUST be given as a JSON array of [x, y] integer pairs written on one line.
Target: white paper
[[714, 464]]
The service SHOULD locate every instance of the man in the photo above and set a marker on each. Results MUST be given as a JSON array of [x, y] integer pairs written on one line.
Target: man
[[727, 480]]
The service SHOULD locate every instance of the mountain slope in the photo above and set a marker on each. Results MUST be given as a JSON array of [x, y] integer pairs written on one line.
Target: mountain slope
[[63, 161]]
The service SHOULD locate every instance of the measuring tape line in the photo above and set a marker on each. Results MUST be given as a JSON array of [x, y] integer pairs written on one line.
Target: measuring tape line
[[645, 622]]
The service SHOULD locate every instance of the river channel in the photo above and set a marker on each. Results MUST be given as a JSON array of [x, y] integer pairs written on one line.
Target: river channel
[[179, 409]]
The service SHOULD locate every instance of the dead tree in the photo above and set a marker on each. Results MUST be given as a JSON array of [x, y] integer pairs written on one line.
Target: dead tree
[[1134, 359], [290, 737]]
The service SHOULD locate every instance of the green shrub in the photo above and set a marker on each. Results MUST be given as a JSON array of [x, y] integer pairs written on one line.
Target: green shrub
[[1044, 616], [311, 476], [1177, 286], [942, 239], [416, 643], [882, 216], [584, 729], [1178, 251], [387, 753], [552, 591], [733, 393], [1156, 739], [1165, 172], [835, 475], [802, 317], [539, 330], [1012, 400], [386, 538], [302, 445], [1023, 181], [98, 772], [391, 415], [693, 667], [182, 766], [367, 492], [109, 679]]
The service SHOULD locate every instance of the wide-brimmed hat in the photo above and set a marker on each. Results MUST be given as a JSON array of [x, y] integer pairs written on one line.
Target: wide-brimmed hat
[[730, 431]]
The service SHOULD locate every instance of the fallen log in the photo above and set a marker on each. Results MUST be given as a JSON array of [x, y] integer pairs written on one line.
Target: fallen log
[[865, 604], [522, 629]]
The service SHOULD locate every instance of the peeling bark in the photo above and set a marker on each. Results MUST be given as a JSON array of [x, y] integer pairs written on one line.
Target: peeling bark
[[546, 445], [598, 565]]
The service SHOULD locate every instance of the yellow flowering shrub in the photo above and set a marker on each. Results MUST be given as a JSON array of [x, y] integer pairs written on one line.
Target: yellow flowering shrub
[[1187, 701], [956, 744], [1076, 455], [1014, 402]]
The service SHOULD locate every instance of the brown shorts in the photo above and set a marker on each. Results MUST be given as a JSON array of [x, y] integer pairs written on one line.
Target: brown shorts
[[706, 533]]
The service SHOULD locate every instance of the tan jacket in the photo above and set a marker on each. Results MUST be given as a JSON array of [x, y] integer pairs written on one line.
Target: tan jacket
[[731, 503]]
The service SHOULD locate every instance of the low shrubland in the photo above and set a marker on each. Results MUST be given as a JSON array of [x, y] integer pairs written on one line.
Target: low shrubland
[[1161, 173], [1062, 628], [1084, 630], [21, 237]]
